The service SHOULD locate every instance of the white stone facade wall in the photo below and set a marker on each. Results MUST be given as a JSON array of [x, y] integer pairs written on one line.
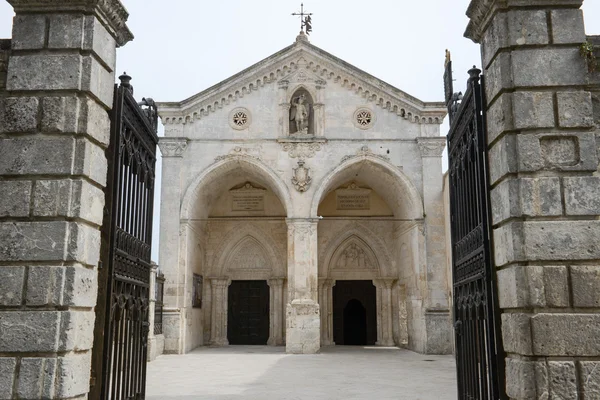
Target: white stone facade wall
[[396, 157]]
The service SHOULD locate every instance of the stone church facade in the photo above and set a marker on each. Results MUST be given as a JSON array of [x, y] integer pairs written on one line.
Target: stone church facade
[[302, 205]]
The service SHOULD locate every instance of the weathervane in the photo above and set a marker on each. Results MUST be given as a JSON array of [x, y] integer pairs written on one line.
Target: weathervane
[[305, 20]]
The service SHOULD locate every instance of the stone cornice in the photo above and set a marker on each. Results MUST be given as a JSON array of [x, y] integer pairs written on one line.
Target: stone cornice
[[111, 13], [480, 12], [318, 62], [172, 147], [431, 146]]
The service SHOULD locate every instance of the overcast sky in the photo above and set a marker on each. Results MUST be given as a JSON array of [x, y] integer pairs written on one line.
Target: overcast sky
[[184, 46]]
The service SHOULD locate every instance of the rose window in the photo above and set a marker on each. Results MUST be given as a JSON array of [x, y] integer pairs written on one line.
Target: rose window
[[240, 118], [363, 118]]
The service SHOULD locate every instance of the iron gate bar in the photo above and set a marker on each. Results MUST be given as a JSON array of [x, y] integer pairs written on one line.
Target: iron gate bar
[[121, 330], [479, 351]]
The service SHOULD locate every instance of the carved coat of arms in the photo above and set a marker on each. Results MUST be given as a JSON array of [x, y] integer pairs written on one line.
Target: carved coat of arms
[[301, 178]]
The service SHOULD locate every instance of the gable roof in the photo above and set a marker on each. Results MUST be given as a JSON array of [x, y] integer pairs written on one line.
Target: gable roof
[[278, 65]]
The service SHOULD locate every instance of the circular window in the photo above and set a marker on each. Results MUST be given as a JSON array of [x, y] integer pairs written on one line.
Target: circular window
[[363, 118], [239, 118]]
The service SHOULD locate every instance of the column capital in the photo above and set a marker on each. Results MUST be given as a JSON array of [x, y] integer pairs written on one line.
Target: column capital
[[111, 13], [220, 282], [326, 282], [275, 282], [172, 147], [384, 283], [431, 146]]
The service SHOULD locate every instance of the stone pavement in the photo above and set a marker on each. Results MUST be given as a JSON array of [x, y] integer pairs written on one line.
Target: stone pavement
[[268, 373]]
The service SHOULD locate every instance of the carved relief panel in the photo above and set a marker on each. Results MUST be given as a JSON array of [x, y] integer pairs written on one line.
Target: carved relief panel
[[354, 254]]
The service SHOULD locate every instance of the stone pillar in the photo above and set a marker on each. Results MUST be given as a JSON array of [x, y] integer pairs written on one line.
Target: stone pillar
[[319, 109], [54, 131], [275, 312], [545, 191], [438, 324], [172, 150], [284, 109], [218, 320], [385, 336], [326, 309], [302, 315]]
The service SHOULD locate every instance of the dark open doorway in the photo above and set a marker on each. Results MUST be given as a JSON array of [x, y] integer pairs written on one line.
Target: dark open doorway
[[248, 312], [354, 313]]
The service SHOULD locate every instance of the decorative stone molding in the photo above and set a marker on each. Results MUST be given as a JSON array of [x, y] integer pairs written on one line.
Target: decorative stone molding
[[172, 147], [111, 13], [365, 152], [431, 147], [320, 70], [479, 12], [301, 150], [301, 179], [240, 152], [240, 118]]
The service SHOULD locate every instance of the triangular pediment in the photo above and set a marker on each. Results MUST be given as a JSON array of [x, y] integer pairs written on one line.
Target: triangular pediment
[[303, 75], [300, 63]]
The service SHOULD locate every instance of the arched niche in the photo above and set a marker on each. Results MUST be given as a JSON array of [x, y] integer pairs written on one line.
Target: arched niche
[[301, 99]]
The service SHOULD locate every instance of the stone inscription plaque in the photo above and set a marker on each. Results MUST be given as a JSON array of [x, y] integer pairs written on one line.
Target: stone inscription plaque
[[248, 202], [248, 198], [353, 198]]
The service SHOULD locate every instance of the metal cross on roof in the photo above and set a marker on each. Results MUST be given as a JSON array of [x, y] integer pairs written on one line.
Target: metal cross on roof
[[305, 20]]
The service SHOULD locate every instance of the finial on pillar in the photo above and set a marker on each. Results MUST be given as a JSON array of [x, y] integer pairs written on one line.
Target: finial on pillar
[[126, 81]]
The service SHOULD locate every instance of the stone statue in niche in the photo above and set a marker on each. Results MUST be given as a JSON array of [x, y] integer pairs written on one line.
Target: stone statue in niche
[[301, 115]]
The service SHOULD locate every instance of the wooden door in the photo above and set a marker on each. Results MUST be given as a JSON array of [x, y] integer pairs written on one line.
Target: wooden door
[[248, 313]]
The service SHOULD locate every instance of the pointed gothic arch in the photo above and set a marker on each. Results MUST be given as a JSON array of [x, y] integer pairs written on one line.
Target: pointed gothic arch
[[207, 186], [393, 185], [367, 240], [245, 237]]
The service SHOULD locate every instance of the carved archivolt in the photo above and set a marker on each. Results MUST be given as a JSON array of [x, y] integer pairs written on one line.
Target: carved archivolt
[[328, 71], [248, 254], [246, 241]]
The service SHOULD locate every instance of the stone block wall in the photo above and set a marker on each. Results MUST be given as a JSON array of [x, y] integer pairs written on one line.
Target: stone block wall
[[54, 130], [544, 173]]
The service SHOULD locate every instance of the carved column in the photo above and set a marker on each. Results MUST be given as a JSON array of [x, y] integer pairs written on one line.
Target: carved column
[[284, 109], [303, 321], [275, 312], [319, 109], [326, 310], [384, 311], [172, 150], [218, 323]]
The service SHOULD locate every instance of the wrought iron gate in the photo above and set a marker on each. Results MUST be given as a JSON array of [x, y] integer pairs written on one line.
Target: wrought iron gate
[[479, 354], [120, 340]]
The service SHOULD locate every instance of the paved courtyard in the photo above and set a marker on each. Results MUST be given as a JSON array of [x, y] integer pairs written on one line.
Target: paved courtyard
[[267, 373]]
